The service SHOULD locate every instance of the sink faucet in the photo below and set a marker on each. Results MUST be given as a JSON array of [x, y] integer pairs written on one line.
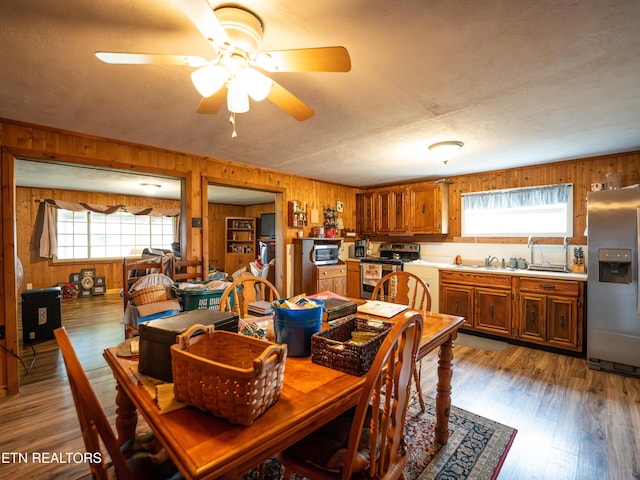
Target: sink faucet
[[488, 260]]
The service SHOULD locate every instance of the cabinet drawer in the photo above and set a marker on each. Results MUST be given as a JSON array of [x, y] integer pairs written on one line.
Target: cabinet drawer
[[332, 271], [550, 287], [476, 279]]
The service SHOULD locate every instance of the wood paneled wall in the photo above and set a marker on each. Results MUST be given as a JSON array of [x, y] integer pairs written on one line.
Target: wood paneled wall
[[217, 214], [581, 173], [38, 142], [42, 272]]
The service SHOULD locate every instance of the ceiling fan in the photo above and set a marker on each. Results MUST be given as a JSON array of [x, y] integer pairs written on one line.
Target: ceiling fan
[[235, 73]]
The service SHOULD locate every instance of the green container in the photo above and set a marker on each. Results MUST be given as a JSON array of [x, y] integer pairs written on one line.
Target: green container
[[201, 299]]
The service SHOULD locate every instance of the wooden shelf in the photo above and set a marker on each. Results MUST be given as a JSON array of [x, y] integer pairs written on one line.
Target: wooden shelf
[[240, 242], [297, 214]]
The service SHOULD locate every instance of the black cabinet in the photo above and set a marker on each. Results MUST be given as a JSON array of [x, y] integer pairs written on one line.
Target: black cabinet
[[41, 313]]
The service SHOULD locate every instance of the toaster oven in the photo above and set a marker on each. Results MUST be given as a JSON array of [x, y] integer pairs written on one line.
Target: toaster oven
[[325, 254]]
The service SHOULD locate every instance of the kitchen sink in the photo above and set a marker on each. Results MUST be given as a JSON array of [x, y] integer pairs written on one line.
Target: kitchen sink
[[491, 268]]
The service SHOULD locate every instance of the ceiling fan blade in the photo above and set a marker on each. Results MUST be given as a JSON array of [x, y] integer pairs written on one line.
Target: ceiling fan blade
[[212, 104], [288, 102], [205, 20], [150, 59], [322, 59]]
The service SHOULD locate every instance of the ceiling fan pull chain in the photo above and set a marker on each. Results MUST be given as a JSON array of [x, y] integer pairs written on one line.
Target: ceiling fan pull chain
[[232, 121]]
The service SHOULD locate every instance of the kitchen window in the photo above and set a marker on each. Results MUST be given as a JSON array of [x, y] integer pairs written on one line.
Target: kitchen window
[[85, 234], [543, 211]]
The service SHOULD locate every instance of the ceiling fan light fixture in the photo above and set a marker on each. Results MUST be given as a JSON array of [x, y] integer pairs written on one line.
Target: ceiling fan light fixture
[[208, 80], [445, 151], [237, 97], [243, 27], [255, 83]]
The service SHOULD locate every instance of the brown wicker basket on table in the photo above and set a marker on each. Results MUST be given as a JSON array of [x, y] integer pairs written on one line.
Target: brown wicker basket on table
[[330, 347], [150, 294], [230, 375]]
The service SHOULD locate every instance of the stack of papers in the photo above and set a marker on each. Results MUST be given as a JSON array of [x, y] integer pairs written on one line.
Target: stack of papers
[[260, 308], [381, 309]]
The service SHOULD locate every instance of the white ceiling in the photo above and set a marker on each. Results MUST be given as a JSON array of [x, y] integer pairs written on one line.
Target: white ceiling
[[518, 82]]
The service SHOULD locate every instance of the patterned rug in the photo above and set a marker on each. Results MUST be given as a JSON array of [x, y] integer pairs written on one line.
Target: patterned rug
[[476, 448]]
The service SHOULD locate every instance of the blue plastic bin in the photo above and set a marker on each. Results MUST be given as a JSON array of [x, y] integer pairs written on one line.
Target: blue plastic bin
[[295, 327]]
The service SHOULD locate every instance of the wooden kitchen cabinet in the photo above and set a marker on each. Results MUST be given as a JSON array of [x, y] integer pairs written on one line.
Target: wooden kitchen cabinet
[[429, 209], [457, 300], [391, 210], [492, 312], [484, 300], [419, 210], [550, 312], [540, 311], [366, 212], [332, 278], [353, 279]]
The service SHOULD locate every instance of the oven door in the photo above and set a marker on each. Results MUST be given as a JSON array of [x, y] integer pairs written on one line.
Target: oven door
[[371, 273]]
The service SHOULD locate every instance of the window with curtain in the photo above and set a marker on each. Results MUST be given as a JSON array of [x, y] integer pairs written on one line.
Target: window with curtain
[[544, 211], [88, 234]]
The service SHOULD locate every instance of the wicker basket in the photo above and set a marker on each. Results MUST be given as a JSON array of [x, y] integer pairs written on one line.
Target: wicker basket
[[150, 294], [328, 349], [230, 375]]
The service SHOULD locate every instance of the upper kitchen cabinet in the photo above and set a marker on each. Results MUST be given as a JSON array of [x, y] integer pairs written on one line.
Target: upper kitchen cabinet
[[420, 209], [429, 213], [366, 212], [392, 209]]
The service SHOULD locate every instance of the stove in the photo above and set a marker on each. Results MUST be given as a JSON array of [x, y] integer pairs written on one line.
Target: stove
[[392, 258], [395, 254]]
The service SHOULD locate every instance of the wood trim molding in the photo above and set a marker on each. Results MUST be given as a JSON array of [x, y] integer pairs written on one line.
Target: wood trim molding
[[9, 375]]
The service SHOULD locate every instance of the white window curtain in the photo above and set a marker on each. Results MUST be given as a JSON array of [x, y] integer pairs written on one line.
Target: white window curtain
[[517, 197], [46, 234]]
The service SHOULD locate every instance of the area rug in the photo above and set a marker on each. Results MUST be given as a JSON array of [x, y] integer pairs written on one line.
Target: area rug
[[476, 448]]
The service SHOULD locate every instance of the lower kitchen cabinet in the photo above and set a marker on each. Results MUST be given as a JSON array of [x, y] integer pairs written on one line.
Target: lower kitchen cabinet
[[483, 300], [332, 278], [456, 300], [550, 312], [353, 279], [493, 310], [540, 311]]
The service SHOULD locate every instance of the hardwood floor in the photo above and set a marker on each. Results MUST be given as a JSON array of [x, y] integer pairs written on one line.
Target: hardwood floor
[[573, 423]]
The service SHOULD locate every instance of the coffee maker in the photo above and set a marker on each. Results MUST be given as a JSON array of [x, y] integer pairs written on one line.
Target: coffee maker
[[360, 249]]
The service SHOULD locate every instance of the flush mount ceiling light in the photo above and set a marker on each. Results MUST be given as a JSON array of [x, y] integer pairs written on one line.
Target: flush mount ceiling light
[[150, 188], [235, 72], [445, 151]]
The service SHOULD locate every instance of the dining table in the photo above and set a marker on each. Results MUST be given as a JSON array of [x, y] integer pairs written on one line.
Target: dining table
[[203, 446]]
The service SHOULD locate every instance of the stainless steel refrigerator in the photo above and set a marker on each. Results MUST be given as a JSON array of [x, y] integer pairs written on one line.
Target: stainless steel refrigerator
[[613, 289]]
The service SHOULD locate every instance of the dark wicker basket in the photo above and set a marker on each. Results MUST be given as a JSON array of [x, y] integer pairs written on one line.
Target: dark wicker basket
[[230, 375], [328, 349]]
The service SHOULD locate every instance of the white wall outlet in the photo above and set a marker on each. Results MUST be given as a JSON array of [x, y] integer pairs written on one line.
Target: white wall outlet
[[29, 286]]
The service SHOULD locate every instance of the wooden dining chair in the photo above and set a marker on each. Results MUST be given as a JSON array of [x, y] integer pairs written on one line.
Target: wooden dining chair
[[407, 289], [368, 440], [98, 434], [241, 292]]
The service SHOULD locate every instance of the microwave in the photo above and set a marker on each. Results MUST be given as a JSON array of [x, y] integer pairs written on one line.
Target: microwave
[[325, 254]]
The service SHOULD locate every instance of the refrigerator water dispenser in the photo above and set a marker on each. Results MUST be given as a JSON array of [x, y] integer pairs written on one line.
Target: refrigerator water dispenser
[[614, 265]]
